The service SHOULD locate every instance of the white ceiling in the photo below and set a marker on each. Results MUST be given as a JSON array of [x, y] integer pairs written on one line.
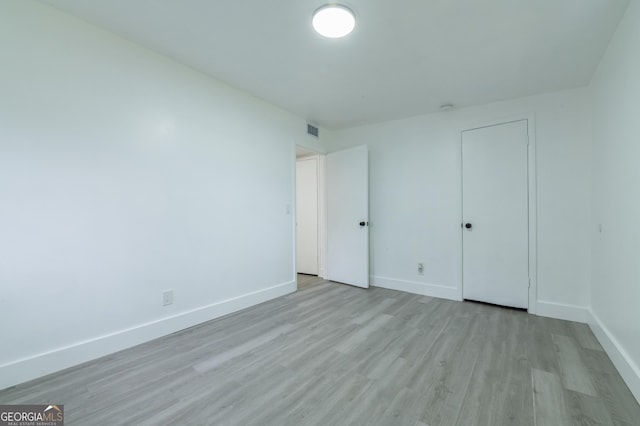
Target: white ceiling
[[405, 57]]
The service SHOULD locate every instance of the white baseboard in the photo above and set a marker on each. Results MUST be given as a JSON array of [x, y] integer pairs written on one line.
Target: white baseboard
[[49, 362], [628, 369], [433, 290], [562, 311]]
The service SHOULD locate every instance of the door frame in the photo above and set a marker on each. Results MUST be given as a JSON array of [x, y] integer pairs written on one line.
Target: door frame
[[532, 197]]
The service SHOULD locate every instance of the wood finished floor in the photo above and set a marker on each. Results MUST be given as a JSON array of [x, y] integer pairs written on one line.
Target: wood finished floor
[[332, 354]]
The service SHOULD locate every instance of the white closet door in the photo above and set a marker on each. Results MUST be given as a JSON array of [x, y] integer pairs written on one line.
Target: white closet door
[[496, 214]]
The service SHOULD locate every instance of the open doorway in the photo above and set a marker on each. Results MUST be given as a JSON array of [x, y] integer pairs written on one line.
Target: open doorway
[[333, 190], [310, 215]]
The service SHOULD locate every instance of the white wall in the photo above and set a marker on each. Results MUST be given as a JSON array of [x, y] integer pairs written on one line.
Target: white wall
[[415, 195], [616, 198], [123, 173]]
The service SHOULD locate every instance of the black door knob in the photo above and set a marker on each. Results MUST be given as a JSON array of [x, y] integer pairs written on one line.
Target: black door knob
[[468, 225], [362, 223]]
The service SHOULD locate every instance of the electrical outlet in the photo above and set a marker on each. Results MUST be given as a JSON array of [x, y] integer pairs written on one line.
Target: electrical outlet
[[420, 269], [167, 297]]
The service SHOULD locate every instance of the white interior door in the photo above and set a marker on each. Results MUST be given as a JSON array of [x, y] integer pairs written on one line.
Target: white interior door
[[307, 216], [348, 216], [495, 214]]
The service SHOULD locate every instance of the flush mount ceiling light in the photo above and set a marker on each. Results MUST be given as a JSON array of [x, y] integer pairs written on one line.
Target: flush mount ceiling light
[[333, 20]]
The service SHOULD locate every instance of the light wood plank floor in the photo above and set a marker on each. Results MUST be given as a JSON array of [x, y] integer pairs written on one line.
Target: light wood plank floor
[[332, 354], [305, 281]]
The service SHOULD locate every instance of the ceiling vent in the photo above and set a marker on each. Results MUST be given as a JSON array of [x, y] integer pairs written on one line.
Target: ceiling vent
[[312, 130]]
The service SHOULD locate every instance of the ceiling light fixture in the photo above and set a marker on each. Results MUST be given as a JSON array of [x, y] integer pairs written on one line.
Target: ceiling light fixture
[[333, 20]]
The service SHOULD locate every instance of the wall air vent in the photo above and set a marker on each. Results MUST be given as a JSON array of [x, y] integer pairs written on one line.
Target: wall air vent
[[312, 130]]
